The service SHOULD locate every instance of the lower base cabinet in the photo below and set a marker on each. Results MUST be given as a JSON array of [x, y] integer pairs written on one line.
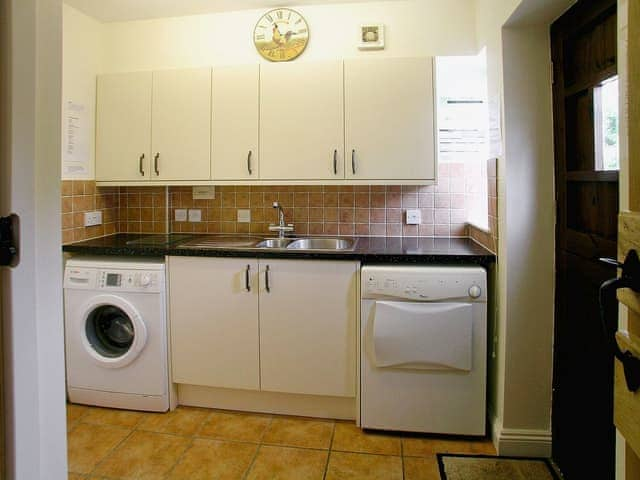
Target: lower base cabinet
[[287, 326]]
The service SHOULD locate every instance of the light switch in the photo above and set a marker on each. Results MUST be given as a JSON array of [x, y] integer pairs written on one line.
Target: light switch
[[244, 216], [195, 215], [181, 214], [413, 217]]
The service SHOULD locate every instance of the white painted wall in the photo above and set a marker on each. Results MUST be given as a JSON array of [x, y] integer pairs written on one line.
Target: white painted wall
[[412, 28], [83, 59], [32, 293]]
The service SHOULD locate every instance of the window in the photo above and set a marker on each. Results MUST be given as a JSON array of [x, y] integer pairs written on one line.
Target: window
[[461, 85], [606, 121]]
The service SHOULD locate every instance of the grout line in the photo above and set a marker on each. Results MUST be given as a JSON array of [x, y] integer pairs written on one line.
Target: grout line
[[326, 466]]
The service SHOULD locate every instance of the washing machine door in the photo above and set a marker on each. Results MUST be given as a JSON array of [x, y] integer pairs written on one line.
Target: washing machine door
[[114, 332]]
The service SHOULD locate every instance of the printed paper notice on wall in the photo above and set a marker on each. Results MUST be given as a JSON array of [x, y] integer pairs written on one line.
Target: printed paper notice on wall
[[75, 153]]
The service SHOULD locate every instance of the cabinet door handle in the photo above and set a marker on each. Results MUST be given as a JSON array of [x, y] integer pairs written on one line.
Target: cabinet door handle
[[141, 166], [353, 161], [155, 163], [267, 287], [335, 162], [249, 169], [247, 284]]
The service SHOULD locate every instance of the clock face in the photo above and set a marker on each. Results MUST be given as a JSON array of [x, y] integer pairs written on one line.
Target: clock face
[[281, 35]]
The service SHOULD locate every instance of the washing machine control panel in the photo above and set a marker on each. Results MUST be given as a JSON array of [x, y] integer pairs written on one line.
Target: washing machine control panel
[[114, 280], [127, 280]]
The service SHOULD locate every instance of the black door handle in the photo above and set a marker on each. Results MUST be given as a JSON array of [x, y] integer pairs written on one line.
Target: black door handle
[[9, 228], [629, 278]]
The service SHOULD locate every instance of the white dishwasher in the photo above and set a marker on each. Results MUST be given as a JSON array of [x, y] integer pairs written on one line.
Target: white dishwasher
[[423, 349]]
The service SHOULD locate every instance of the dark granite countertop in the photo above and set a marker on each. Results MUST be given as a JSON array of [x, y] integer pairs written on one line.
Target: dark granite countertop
[[413, 250]]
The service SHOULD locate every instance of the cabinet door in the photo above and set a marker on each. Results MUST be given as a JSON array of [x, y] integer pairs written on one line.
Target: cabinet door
[[234, 123], [214, 322], [181, 134], [123, 127], [389, 119], [301, 121], [308, 327]]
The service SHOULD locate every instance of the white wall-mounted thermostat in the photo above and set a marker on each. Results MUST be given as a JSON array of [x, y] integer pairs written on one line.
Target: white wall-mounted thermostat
[[371, 37]]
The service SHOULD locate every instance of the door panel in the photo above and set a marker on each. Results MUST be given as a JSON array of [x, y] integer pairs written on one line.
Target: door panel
[[123, 126], [181, 138], [214, 322], [308, 327], [389, 119], [587, 205], [234, 123], [301, 121]]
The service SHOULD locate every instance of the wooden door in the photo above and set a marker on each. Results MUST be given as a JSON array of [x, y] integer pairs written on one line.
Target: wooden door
[[584, 57], [301, 121], [123, 127], [181, 125], [214, 322], [389, 119], [308, 327], [627, 404], [234, 123]]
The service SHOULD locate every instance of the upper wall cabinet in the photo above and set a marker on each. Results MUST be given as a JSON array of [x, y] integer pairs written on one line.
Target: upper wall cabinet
[[301, 121], [123, 125], [389, 119], [154, 126], [181, 124], [234, 123]]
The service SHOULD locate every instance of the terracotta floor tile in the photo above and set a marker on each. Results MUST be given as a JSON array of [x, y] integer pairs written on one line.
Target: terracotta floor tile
[[235, 426], [343, 465], [181, 421], [111, 416], [84, 452], [350, 438], [75, 476], [209, 459], [421, 468], [426, 447], [75, 413], [144, 455], [283, 463], [482, 447], [299, 433]]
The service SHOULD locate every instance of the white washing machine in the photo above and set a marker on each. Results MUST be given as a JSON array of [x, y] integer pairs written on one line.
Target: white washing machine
[[116, 333], [423, 349]]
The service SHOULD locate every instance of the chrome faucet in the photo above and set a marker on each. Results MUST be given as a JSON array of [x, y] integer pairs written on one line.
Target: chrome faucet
[[282, 227]]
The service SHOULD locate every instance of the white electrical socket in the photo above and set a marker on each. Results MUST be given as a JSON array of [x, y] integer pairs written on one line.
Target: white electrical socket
[[413, 217], [92, 218], [181, 214], [244, 216], [195, 215]]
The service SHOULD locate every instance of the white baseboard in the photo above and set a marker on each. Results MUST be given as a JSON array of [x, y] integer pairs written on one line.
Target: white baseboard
[[516, 442]]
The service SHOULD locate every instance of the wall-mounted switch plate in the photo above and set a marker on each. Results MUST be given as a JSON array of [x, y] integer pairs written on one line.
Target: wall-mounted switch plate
[[244, 216], [413, 217], [92, 218], [181, 214], [195, 215]]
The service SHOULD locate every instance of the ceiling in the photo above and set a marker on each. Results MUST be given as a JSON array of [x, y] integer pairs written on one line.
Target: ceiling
[[126, 10]]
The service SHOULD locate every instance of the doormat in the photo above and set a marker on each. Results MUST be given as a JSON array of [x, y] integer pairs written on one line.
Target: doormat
[[487, 467]]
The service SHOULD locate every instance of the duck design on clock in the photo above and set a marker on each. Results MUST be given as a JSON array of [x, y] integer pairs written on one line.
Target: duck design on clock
[[281, 35]]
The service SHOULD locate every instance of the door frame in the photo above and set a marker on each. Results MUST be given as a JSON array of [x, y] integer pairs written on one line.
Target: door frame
[[30, 107]]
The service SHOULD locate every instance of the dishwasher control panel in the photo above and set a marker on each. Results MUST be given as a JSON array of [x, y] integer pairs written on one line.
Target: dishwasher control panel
[[424, 284]]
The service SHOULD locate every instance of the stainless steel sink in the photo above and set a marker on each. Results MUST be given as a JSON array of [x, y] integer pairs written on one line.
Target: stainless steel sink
[[221, 241], [274, 243], [320, 243]]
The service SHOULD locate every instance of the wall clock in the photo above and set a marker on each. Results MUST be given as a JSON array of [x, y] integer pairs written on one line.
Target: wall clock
[[281, 35]]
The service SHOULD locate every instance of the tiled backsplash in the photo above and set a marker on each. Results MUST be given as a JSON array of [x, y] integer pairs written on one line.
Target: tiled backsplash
[[80, 196], [325, 209]]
